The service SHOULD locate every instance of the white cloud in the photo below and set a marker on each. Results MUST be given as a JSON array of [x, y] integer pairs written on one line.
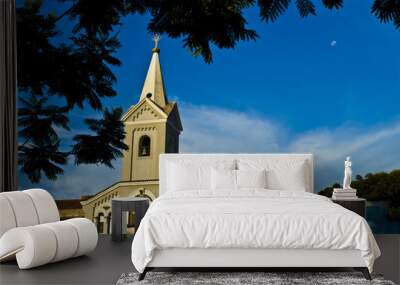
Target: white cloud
[[212, 129], [86, 179], [334, 142], [372, 149], [79, 180]]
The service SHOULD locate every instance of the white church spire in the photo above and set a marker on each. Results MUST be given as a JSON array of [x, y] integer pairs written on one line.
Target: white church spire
[[153, 87]]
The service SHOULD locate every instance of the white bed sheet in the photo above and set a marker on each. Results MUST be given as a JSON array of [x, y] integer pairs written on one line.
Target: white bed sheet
[[251, 218]]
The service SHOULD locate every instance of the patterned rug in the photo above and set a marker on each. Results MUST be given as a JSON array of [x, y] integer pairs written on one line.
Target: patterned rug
[[243, 278]]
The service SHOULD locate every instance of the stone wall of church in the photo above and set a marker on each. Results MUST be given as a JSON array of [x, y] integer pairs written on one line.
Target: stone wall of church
[[99, 210], [66, 214], [136, 167]]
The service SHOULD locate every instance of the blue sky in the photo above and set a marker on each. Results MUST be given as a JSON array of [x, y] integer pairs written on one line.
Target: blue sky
[[292, 73], [290, 91]]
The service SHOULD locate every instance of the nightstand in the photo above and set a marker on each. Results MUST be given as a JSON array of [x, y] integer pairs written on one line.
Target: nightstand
[[357, 205], [121, 204]]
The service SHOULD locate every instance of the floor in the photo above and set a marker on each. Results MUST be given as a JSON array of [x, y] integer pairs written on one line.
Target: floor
[[389, 262], [110, 260], [103, 266]]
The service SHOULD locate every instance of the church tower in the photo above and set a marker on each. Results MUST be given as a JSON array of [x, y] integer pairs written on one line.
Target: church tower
[[152, 127]]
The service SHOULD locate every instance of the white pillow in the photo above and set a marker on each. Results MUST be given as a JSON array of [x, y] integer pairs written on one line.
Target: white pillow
[[223, 179], [288, 177], [191, 174], [251, 178], [181, 177], [281, 174], [293, 179]]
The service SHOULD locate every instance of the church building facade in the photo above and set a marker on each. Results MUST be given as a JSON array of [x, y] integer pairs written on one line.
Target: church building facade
[[152, 127]]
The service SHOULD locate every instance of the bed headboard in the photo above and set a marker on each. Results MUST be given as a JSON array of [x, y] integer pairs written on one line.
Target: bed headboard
[[180, 157]]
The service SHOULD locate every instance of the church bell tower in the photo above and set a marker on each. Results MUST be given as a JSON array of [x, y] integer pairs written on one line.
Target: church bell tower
[[152, 126]]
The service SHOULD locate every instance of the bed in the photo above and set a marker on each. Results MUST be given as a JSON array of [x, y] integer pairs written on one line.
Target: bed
[[246, 211]]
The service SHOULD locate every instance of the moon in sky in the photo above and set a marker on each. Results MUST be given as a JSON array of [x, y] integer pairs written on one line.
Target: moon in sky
[[333, 43]]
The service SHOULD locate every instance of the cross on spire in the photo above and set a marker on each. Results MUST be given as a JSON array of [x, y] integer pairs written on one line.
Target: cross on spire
[[156, 39], [153, 87]]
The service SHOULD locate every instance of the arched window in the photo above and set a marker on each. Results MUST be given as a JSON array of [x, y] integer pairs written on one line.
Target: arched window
[[131, 220], [144, 146], [142, 194]]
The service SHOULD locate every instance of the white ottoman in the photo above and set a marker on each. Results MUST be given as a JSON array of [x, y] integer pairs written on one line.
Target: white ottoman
[[34, 244]]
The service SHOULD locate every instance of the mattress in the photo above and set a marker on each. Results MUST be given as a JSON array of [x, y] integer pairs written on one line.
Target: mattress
[[250, 219]]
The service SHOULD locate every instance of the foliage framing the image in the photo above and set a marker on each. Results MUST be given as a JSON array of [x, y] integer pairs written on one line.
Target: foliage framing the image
[[77, 71]]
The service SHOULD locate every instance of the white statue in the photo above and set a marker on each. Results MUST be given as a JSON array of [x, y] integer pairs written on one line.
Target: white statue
[[347, 174]]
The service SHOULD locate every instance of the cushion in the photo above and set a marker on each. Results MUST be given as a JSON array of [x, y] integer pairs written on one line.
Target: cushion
[[24, 210], [223, 179], [41, 244], [7, 218], [183, 178], [186, 175], [87, 235], [67, 240], [45, 205], [251, 178], [282, 174], [32, 246]]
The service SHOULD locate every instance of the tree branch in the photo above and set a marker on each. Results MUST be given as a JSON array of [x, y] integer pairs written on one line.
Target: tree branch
[[66, 12]]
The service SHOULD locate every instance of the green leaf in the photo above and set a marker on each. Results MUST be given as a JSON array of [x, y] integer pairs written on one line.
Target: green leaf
[[270, 10], [333, 4], [107, 143], [306, 8]]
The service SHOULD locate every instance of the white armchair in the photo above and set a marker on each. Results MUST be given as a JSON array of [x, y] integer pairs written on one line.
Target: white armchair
[[31, 230]]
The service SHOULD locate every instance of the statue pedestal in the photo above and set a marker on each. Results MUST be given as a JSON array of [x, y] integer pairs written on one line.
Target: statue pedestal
[[344, 194]]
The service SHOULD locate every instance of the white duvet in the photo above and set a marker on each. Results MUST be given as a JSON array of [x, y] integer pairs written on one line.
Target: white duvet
[[250, 219]]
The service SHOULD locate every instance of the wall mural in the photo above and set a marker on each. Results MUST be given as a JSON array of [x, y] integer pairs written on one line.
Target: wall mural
[[96, 111]]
